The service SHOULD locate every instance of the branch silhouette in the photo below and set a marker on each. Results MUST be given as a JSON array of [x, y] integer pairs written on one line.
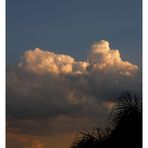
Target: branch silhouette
[[124, 130]]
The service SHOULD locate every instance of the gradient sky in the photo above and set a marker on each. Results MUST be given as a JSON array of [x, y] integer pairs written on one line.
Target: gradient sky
[[96, 55], [71, 26]]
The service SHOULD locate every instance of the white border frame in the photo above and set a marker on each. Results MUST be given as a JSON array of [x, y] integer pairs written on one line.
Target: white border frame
[[2, 73]]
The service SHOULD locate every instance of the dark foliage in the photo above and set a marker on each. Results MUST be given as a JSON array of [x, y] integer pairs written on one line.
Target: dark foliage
[[90, 139], [125, 129]]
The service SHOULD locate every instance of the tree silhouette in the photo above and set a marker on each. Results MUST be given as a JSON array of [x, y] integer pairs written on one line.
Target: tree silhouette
[[92, 139], [125, 129], [126, 117]]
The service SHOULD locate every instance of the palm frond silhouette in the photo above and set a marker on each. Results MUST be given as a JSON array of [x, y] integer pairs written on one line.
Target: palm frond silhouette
[[127, 107], [90, 139], [125, 130]]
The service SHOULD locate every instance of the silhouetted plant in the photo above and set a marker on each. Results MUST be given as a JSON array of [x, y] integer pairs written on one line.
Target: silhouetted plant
[[92, 139], [126, 117], [126, 122], [127, 107]]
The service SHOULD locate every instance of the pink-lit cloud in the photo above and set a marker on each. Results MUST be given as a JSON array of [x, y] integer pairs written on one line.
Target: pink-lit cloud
[[46, 88], [101, 57]]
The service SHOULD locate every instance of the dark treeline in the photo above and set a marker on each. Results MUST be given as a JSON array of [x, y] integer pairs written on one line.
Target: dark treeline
[[124, 128]]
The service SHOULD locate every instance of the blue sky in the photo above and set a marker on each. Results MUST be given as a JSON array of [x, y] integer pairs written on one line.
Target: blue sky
[[71, 26]]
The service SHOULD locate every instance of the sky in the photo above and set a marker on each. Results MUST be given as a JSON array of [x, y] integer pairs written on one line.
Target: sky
[[67, 63], [70, 27]]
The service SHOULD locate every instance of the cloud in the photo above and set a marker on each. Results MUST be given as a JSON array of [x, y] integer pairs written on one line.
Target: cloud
[[44, 62], [34, 144], [50, 87], [102, 58], [28, 142]]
